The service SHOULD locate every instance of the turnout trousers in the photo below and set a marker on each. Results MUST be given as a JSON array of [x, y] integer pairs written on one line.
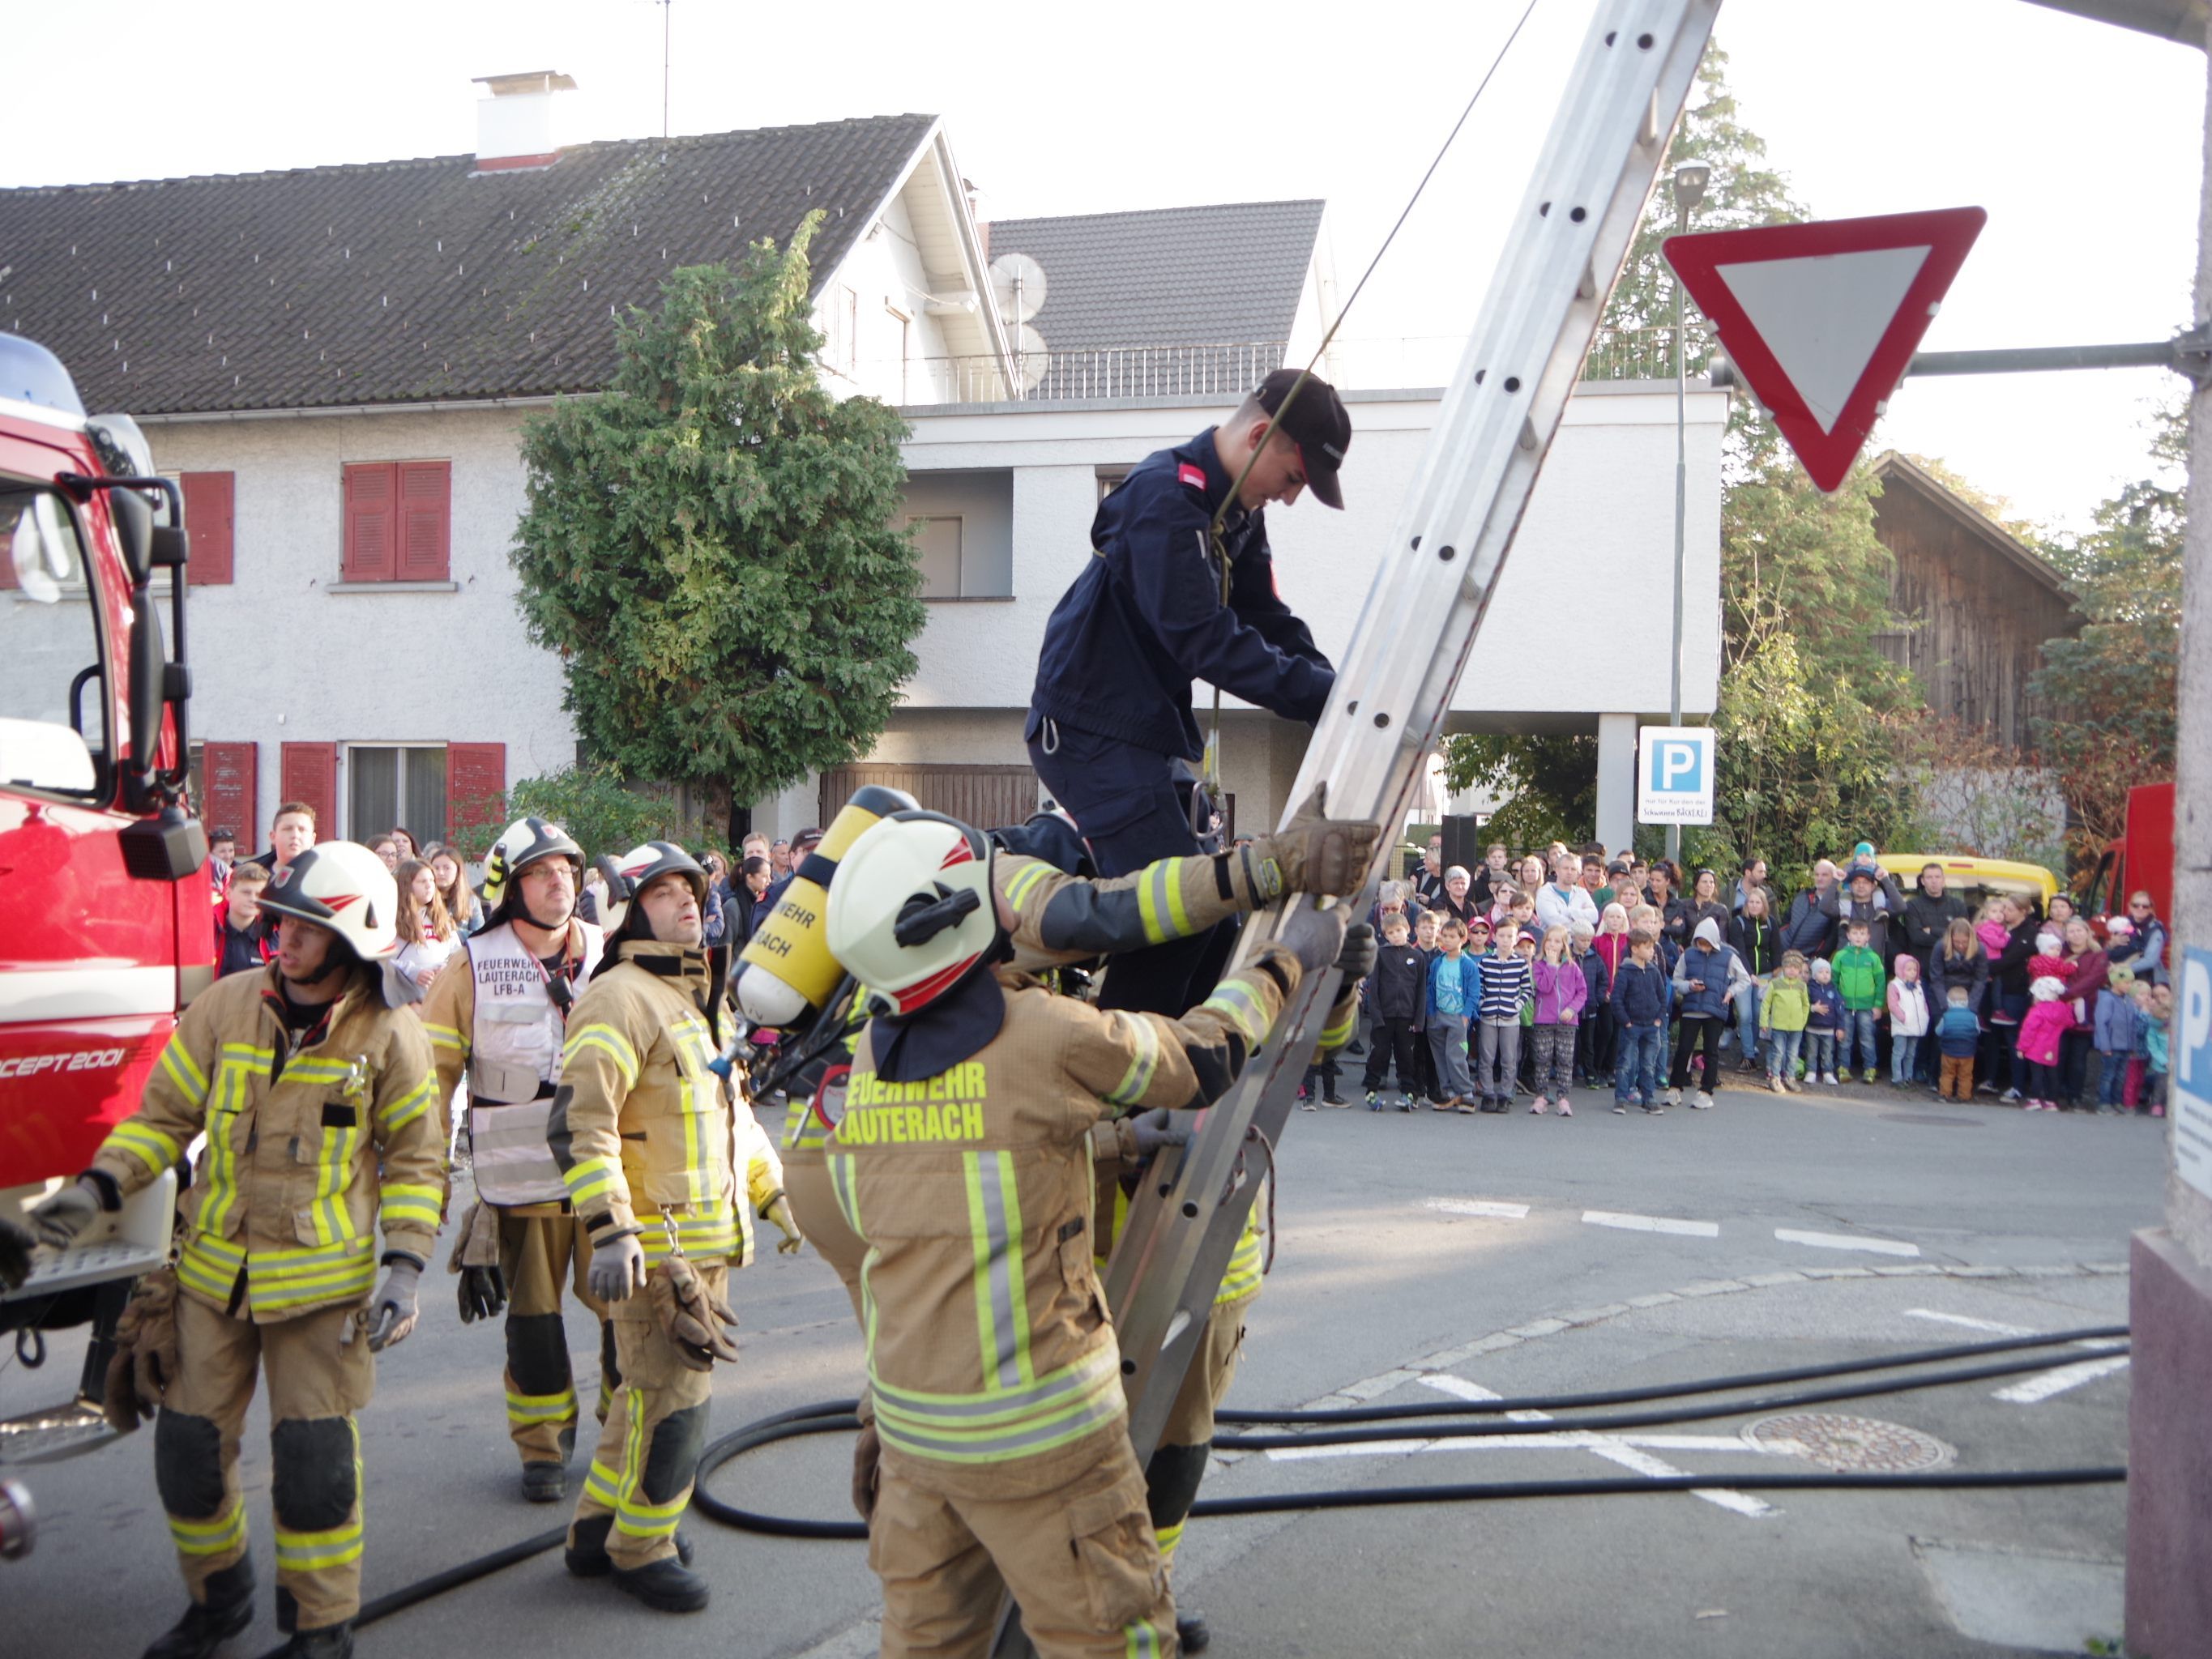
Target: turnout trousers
[[655, 1428], [538, 1253], [316, 1384], [1078, 1556], [1172, 1477]]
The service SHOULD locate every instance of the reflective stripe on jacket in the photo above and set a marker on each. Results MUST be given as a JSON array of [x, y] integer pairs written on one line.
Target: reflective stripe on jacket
[[305, 1154]]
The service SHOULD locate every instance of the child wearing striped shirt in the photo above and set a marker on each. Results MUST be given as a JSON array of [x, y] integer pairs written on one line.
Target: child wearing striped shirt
[[1506, 982]]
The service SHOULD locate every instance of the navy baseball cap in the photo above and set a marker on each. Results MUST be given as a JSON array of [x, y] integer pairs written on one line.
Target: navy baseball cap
[[1317, 422]]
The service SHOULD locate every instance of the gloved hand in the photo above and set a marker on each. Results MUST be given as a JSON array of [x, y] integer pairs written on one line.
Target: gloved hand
[[59, 1219], [1315, 937], [1316, 854], [617, 1271], [1157, 1128], [145, 1361], [1356, 958], [779, 1211], [15, 1244], [867, 1452], [483, 1293], [392, 1315], [690, 1317]]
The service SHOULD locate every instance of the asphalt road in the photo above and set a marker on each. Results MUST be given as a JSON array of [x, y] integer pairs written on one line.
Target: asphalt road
[[1420, 1257]]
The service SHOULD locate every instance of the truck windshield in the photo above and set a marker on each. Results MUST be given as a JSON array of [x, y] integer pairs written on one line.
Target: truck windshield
[[53, 696]]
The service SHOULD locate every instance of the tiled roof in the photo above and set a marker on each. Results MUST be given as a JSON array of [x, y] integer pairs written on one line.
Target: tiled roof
[[1168, 276], [403, 282]]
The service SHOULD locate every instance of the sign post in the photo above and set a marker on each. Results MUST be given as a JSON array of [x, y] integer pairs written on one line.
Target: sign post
[[2191, 1088], [1675, 775]]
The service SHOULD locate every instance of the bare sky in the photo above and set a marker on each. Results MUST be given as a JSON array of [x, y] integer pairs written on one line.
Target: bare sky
[[2083, 141]]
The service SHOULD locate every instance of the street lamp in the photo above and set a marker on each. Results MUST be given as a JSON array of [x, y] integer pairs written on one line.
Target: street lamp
[[1691, 178]]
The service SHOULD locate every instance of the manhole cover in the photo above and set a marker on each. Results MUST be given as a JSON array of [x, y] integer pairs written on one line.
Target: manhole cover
[[1855, 1444], [1930, 1117]]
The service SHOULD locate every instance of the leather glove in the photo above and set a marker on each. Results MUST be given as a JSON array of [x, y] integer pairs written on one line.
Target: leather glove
[[779, 1211], [1157, 1128], [618, 1270], [1315, 854], [144, 1361], [483, 1293], [867, 1452], [15, 1244], [1315, 937], [689, 1316], [59, 1219], [392, 1315], [1356, 958]]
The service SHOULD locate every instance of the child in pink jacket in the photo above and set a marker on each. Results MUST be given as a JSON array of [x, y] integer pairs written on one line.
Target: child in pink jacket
[[2040, 1034], [1561, 990]]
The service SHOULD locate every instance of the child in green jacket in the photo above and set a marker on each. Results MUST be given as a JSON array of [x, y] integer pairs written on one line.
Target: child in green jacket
[[1864, 988], [1782, 1017]]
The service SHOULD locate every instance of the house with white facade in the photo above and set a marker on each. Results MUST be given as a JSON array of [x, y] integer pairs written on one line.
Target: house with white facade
[[337, 363]]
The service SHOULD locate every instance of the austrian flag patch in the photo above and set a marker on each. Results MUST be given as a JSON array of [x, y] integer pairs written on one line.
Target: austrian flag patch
[[1193, 475]]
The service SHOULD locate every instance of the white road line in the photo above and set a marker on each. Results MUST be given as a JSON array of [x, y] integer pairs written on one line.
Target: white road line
[[1652, 1224], [1994, 1326], [1557, 1439], [2043, 1384], [1847, 1242], [1479, 1207]]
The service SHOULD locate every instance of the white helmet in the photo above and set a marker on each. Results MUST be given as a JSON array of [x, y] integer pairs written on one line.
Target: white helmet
[[343, 886], [521, 844], [911, 913]]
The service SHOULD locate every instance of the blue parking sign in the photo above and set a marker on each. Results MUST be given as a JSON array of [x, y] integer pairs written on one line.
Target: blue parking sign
[[1675, 775], [2191, 1080]]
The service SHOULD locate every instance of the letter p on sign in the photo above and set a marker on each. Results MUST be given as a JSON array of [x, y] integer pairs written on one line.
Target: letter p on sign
[[1674, 781]]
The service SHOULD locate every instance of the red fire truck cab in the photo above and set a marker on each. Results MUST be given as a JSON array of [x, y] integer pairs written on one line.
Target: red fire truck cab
[[105, 930], [2140, 862]]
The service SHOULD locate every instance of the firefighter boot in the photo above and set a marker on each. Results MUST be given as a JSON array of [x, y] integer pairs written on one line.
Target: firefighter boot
[[327, 1642], [207, 1624], [1191, 1632], [666, 1585], [586, 1556]]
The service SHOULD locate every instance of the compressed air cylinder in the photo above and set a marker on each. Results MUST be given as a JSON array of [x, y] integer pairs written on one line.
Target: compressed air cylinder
[[787, 969]]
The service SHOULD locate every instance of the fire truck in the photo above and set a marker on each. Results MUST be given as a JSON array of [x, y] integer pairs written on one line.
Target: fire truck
[[105, 929]]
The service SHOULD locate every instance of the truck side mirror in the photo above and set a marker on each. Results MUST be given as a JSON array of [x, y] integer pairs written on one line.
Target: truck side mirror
[[134, 532], [149, 664]]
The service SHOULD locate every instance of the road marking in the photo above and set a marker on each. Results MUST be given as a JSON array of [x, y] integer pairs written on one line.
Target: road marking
[[1461, 1388], [1479, 1207], [1846, 1242], [2043, 1384], [1994, 1326], [1652, 1224]]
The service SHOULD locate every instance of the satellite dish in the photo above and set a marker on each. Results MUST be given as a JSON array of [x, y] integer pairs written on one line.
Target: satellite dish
[[1018, 287], [1031, 358]]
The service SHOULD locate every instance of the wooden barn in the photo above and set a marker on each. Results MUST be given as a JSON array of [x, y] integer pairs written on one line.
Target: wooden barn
[[1973, 604]]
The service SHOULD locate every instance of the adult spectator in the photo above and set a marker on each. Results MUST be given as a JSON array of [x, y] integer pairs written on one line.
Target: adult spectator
[[743, 910], [2087, 971], [779, 859], [2061, 910], [291, 833], [1530, 874], [1928, 914], [1593, 878], [1706, 980], [241, 942], [1623, 886], [713, 917], [1659, 892], [386, 848], [1389, 905], [1429, 882], [2151, 938], [2009, 980], [1863, 898], [1704, 900], [409, 847], [1959, 959], [1458, 901], [802, 844], [1562, 901], [1751, 878], [453, 889], [1810, 924], [427, 934], [1757, 943]]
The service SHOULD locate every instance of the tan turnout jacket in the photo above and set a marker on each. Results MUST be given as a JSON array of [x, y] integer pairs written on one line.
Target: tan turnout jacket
[[307, 1153]]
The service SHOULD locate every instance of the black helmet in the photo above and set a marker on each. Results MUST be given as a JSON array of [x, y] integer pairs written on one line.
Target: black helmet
[[637, 870]]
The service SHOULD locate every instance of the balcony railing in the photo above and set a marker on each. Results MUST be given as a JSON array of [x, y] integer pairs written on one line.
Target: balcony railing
[[1647, 353]]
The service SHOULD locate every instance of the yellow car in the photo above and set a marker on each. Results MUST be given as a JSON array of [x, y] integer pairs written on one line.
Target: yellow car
[[1974, 880]]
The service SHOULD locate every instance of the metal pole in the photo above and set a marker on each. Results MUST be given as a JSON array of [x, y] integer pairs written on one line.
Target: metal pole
[[1682, 498]]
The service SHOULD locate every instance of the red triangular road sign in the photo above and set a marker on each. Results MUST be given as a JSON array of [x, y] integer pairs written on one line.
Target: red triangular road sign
[[1821, 319]]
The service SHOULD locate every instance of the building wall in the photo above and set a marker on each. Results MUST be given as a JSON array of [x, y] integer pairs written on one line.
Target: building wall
[[1975, 623]]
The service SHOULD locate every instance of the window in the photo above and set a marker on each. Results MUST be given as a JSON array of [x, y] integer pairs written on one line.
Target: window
[[395, 785], [937, 542], [904, 325], [53, 694], [1109, 479], [841, 330], [399, 522]]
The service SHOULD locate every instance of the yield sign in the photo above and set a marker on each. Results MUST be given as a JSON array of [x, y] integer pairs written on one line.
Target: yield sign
[[1822, 319]]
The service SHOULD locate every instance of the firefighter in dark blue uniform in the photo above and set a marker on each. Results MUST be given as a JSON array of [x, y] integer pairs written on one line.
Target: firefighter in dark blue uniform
[[1110, 729]]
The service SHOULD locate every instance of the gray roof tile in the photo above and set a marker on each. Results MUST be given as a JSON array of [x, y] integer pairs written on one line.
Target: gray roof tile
[[404, 282]]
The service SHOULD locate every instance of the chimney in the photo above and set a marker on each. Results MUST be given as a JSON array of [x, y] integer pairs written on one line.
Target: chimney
[[522, 119]]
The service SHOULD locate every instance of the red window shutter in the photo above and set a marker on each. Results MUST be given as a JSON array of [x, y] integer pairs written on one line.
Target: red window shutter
[[425, 519], [208, 518], [475, 785], [230, 773], [310, 773], [371, 522]]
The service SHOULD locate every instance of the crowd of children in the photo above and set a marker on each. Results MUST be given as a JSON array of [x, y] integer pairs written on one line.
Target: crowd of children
[[1544, 975]]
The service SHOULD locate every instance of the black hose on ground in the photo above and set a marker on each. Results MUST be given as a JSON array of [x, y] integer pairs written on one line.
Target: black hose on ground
[[837, 1416]]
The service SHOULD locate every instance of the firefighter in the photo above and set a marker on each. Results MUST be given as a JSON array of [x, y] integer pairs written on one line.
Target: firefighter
[[501, 1022], [319, 1107], [961, 1161], [1055, 914], [647, 1136]]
